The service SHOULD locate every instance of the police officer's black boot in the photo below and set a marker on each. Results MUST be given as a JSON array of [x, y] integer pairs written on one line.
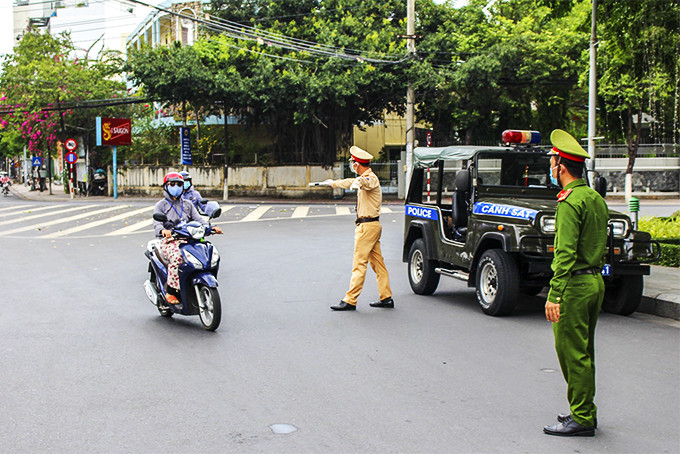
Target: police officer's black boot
[[344, 306], [387, 302]]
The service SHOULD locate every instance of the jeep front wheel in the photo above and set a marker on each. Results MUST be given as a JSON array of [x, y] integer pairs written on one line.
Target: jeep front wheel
[[624, 296], [421, 274], [497, 282]]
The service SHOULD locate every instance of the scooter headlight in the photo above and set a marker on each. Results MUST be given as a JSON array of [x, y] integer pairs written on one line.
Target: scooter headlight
[[196, 232], [215, 258], [193, 260]]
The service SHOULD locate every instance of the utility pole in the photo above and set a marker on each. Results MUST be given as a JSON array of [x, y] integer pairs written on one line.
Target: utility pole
[[592, 90], [410, 92]]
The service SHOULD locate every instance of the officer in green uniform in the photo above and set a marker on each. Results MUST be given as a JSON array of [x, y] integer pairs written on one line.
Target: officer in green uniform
[[577, 288]]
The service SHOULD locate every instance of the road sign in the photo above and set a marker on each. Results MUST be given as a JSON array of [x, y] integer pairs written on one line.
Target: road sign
[[71, 144], [185, 138], [37, 161], [71, 157], [428, 138]]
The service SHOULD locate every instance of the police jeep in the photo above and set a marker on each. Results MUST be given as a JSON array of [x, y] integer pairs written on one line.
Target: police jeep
[[486, 216]]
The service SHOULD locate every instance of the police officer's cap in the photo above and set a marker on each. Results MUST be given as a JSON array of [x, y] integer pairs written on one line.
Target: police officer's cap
[[360, 156], [567, 147]]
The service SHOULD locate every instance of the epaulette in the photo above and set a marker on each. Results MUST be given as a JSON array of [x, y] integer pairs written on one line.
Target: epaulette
[[562, 196]]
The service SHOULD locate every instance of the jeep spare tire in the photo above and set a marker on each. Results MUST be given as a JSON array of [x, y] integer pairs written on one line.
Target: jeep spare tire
[[421, 274], [497, 282]]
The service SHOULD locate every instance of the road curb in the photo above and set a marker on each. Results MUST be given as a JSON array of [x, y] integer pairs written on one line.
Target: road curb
[[660, 306]]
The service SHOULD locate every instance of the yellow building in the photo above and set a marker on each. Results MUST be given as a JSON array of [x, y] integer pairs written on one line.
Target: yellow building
[[387, 137]]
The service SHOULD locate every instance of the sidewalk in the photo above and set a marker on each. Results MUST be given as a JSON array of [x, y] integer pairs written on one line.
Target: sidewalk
[[661, 293]]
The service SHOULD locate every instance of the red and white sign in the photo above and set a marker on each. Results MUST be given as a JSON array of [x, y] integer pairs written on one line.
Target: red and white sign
[[71, 144], [71, 157], [428, 138]]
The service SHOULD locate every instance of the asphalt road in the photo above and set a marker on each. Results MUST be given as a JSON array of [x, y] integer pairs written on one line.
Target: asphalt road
[[88, 365]]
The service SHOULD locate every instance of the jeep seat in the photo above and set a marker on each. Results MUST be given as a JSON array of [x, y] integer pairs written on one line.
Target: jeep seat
[[460, 205]]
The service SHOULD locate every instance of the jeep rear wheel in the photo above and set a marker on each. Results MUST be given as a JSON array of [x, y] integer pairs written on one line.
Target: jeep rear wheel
[[421, 274], [624, 295], [497, 282]]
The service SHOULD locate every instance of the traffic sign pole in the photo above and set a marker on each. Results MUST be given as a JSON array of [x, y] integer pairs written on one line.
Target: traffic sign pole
[[70, 173], [115, 174]]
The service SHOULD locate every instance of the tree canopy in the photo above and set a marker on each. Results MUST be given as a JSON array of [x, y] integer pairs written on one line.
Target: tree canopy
[[308, 71]]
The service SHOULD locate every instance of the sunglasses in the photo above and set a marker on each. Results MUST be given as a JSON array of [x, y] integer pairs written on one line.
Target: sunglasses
[[175, 183]]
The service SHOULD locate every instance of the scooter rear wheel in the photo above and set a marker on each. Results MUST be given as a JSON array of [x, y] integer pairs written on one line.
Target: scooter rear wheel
[[209, 306]]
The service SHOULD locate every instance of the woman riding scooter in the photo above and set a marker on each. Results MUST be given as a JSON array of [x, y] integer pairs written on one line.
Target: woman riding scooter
[[176, 210]]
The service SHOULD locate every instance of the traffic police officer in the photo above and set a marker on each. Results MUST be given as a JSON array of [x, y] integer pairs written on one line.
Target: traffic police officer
[[577, 288], [367, 232]]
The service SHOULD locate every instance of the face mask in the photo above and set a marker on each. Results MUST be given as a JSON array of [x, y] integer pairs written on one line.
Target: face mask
[[553, 180], [354, 167], [175, 191], [187, 185]]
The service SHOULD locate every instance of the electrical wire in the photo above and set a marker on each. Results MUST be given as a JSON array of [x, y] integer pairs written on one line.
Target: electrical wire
[[241, 32]]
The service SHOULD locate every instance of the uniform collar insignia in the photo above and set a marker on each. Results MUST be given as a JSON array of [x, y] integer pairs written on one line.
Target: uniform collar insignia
[[564, 194]]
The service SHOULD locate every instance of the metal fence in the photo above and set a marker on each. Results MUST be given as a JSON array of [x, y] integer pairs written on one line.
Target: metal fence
[[385, 171]]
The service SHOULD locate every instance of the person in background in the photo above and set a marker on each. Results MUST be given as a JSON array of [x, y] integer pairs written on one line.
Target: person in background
[[190, 193]]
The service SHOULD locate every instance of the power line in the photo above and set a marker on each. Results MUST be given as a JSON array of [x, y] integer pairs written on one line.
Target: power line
[[241, 32]]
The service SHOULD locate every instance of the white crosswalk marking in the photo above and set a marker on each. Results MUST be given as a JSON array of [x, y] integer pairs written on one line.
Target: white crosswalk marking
[[256, 214], [37, 216], [19, 218], [13, 207], [300, 212], [59, 221], [131, 228], [90, 225]]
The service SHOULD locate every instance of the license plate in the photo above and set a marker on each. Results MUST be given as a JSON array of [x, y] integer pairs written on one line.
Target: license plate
[[607, 270]]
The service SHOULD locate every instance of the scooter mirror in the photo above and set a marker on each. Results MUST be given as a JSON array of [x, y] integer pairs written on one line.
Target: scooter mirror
[[160, 217], [216, 213]]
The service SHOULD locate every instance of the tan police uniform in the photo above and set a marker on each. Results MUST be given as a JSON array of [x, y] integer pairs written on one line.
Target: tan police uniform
[[368, 230]]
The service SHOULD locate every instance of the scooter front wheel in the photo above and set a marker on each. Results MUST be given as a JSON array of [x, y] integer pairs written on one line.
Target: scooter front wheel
[[209, 306]]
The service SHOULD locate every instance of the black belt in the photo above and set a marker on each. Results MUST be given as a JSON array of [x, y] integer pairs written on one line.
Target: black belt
[[584, 271], [361, 220]]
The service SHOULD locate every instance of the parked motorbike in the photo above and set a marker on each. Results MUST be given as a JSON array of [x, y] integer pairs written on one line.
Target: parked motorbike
[[197, 273], [99, 186]]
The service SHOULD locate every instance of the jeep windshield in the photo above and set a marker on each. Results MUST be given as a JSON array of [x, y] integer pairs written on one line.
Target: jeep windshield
[[514, 173]]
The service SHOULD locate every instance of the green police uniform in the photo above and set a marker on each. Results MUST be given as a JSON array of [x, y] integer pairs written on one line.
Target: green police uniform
[[577, 286]]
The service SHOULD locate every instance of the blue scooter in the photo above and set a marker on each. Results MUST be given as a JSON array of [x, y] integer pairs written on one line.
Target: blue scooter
[[197, 273]]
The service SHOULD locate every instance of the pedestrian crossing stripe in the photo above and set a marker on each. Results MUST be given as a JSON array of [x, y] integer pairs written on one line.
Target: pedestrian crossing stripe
[[143, 226], [13, 208], [90, 225], [59, 221], [43, 215]]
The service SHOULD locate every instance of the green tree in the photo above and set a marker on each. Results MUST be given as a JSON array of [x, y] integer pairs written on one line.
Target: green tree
[[638, 59], [513, 65], [309, 100], [44, 79]]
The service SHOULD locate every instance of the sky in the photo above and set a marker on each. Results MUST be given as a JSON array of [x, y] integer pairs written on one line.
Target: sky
[[6, 25]]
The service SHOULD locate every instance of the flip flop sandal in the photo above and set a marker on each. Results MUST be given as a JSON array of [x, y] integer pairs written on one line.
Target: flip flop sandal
[[172, 299]]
